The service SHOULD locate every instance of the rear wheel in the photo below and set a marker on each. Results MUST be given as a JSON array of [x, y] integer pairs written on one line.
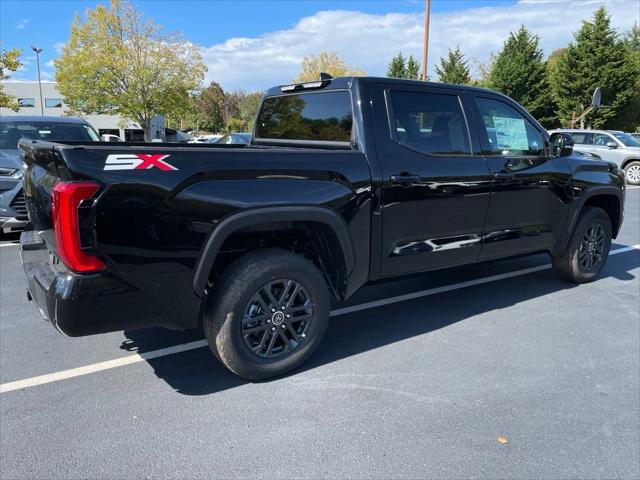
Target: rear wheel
[[588, 249], [267, 314], [632, 172]]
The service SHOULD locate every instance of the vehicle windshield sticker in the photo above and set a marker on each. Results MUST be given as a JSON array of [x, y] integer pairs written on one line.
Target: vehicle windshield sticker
[[511, 133], [138, 162]]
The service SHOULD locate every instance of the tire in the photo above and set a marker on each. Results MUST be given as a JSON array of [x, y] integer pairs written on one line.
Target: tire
[[588, 249], [263, 296], [632, 172]]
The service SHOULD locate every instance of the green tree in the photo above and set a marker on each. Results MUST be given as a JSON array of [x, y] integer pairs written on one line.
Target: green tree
[[454, 69], [119, 62], [632, 37], [397, 67], [483, 69], [629, 117], [326, 62], [413, 69], [231, 109], [401, 67], [520, 72], [210, 106], [597, 57], [9, 63], [248, 104]]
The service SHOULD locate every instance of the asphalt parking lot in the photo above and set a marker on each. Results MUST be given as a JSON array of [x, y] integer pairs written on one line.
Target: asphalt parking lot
[[419, 386]]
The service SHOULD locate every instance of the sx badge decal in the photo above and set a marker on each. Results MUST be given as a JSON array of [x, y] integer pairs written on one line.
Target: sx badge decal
[[137, 162]]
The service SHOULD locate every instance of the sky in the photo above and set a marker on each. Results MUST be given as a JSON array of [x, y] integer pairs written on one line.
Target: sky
[[252, 45]]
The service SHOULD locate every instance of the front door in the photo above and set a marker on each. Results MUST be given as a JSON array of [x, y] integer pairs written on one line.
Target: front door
[[529, 202], [436, 185], [600, 146]]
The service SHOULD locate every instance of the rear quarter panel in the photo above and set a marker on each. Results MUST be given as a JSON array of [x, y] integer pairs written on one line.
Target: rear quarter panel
[[151, 224]]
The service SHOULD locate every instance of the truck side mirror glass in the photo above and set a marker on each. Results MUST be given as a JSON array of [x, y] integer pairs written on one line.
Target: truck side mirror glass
[[612, 144], [561, 144]]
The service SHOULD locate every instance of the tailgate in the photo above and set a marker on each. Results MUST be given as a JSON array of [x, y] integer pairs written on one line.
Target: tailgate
[[40, 176]]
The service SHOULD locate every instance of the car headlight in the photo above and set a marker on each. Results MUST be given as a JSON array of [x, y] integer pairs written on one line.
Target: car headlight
[[7, 172]]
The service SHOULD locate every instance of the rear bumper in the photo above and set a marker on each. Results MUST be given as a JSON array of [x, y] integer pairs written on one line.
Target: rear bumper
[[87, 304]]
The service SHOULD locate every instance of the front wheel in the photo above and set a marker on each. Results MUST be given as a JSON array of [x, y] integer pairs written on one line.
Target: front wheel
[[588, 249], [632, 172], [267, 314]]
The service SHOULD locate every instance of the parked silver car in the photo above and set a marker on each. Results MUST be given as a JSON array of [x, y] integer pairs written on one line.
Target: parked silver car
[[13, 211], [610, 145]]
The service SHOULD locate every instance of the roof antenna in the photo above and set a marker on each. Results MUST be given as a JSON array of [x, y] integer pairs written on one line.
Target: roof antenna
[[325, 76]]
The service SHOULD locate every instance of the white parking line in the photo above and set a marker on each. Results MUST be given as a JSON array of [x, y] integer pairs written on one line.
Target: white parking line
[[136, 358]]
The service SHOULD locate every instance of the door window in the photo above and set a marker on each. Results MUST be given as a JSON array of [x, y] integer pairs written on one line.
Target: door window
[[509, 132], [581, 138], [431, 123], [601, 139]]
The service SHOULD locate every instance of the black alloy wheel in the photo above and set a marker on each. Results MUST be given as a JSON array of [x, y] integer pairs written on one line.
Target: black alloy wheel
[[592, 247], [267, 313], [277, 318]]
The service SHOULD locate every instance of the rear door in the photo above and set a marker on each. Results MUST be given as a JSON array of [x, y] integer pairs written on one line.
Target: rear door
[[528, 202], [436, 185]]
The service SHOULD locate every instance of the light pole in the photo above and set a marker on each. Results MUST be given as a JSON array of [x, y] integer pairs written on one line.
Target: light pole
[[427, 13], [38, 51]]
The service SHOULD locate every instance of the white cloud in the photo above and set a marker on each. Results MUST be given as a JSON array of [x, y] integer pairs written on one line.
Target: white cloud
[[47, 75], [369, 41], [22, 24], [50, 64]]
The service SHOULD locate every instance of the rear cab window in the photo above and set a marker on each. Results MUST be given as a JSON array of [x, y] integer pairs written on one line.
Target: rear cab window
[[429, 123], [314, 118]]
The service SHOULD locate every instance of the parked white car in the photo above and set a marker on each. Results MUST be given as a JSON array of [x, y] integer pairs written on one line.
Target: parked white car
[[610, 145], [205, 139], [110, 138]]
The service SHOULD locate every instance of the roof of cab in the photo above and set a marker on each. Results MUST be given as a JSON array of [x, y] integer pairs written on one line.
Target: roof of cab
[[347, 82], [40, 118]]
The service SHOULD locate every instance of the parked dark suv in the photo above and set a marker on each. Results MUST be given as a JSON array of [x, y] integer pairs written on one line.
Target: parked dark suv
[[13, 211], [345, 181]]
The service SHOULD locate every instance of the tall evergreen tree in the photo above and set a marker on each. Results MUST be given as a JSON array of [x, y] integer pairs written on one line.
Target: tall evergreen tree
[[413, 69], [596, 58], [520, 72], [629, 117], [454, 69], [632, 37], [397, 67]]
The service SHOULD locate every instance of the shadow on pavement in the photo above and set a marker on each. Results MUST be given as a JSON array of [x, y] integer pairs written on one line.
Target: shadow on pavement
[[197, 372]]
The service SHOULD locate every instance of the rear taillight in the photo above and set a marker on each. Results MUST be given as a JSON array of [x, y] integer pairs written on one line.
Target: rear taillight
[[66, 199]]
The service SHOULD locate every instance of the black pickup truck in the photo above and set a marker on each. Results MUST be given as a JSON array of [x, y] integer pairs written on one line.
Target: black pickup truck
[[345, 181]]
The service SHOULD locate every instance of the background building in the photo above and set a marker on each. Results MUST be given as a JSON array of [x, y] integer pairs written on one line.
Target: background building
[[28, 96]]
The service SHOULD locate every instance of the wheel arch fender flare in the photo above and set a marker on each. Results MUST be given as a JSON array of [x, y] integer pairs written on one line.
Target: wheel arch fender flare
[[628, 160], [247, 218], [592, 192]]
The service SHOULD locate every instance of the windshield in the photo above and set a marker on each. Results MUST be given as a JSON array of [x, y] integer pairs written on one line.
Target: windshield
[[323, 116], [11, 132], [627, 139]]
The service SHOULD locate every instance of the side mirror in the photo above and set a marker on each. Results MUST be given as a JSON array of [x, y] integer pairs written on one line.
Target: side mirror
[[104, 138], [612, 144], [561, 144]]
